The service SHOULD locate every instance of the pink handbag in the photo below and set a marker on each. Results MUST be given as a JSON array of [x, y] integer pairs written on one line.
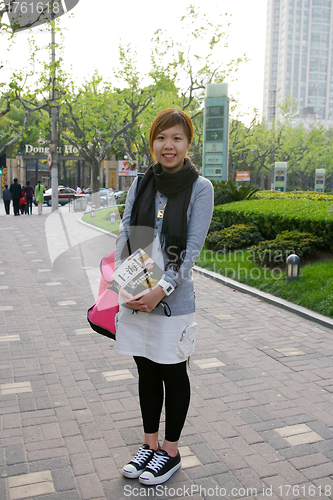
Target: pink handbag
[[101, 316]]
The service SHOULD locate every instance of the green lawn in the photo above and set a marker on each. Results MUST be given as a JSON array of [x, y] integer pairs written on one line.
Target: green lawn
[[102, 219], [313, 289]]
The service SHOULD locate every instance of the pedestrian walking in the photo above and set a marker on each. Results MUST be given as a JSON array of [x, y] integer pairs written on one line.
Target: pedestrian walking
[[176, 204], [29, 192], [39, 196], [16, 192], [6, 196]]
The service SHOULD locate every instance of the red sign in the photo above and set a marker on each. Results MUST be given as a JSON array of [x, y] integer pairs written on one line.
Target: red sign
[[49, 160]]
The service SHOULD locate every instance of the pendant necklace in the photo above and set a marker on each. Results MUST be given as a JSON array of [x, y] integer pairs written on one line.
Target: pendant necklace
[[160, 212]]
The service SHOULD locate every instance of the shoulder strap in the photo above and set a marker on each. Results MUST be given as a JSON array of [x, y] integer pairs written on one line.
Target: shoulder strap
[[139, 176]]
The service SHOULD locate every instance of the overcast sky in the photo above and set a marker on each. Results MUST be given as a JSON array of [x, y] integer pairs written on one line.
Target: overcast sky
[[92, 37]]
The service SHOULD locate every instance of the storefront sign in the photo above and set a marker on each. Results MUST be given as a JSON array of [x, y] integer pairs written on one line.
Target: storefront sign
[[44, 150], [128, 168]]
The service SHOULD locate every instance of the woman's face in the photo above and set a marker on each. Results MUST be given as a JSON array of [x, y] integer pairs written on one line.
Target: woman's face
[[170, 148]]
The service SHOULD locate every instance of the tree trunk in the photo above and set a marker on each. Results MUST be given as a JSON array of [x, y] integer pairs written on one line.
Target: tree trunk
[[95, 183]]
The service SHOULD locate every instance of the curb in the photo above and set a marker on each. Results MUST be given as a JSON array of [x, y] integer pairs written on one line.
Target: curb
[[284, 304], [97, 228]]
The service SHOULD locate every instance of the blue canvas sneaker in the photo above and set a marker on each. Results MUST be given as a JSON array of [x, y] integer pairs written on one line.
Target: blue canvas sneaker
[[160, 468]]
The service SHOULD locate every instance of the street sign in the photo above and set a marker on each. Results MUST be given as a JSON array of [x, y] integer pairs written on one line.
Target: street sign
[[214, 158], [214, 135], [216, 132], [214, 147], [49, 160], [320, 180], [243, 175], [280, 176]]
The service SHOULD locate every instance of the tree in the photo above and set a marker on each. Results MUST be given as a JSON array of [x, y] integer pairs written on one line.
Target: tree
[[179, 78], [258, 146], [26, 92], [199, 65], [97, 114]]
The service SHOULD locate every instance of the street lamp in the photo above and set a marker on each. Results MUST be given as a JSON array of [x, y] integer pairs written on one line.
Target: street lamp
[[292, 270]]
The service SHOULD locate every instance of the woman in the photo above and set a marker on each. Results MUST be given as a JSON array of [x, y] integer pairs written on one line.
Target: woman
[[29, 192], [168, 216], [39, 196]]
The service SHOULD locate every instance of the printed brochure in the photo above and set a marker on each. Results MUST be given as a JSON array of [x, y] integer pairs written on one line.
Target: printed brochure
[[137, 274]]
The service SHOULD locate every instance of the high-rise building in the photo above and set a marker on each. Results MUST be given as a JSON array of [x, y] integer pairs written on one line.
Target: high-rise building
[[299, 59]]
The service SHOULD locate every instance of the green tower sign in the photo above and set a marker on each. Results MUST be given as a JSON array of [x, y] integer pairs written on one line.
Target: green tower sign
[[280, 176], [320, 180], [216, 132]]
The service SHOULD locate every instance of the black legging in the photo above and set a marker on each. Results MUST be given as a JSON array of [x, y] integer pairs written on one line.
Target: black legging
[[151, 393]]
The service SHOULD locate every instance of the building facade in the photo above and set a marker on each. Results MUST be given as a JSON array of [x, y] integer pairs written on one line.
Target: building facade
[[299, 60]]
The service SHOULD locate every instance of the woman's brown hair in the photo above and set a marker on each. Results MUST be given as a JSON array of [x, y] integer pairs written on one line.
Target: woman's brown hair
[[167, 119]]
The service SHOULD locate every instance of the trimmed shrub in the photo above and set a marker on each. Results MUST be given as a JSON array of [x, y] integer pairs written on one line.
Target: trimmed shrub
[[215, 225], [231, 238], [303, 195], [121, 209], [271, 217], [275, 252]]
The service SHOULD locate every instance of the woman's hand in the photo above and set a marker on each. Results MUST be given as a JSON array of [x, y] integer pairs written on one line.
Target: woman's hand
[[148, 301]]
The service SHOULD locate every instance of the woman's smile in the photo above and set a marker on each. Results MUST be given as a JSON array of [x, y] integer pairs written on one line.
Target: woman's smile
[[170, 148]]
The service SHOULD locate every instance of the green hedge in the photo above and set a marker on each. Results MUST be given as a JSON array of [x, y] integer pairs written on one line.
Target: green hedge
[[273, 216], [233, 237], [305, 195], [271, 252]]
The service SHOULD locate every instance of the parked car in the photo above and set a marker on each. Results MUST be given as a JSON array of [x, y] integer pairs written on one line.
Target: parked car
[[105, 196], [117, 194], [65, 195]]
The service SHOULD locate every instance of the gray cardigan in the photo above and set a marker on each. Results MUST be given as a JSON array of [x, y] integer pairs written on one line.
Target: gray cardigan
[[199, 214]]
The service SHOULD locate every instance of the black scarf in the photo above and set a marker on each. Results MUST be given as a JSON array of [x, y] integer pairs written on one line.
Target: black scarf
[[177, 187]]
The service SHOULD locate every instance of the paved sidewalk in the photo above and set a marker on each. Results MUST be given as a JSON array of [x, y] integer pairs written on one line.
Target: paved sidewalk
[[261, 415]]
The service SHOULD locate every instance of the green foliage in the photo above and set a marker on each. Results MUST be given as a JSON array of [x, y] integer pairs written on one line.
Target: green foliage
[[299, 195], [233, 237], [121, 210], [27, 94], [256, 147], [271, 217], [102, 219], [272, 252], [228, 191], [216, 225], [313, 289]]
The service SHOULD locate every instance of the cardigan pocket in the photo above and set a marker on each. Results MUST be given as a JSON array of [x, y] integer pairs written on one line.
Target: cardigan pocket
[[186, 343]]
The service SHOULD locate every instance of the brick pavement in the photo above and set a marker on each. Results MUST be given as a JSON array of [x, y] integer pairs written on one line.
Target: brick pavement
[[260, 421]]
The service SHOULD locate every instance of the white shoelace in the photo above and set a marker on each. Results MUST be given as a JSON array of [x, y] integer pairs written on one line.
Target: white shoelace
[[157, 462], [141, 456]]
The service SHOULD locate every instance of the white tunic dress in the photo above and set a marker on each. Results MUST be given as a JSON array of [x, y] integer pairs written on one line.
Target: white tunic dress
[[165, 340]]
